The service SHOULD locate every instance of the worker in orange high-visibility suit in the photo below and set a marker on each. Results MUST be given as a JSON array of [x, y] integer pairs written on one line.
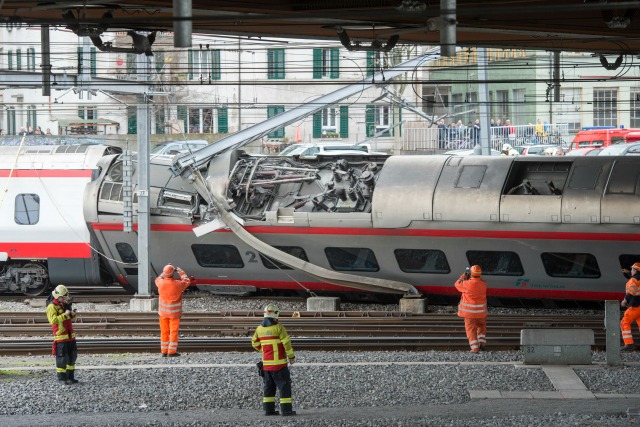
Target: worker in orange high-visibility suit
[[170, 308], [632, 303], [272, 340], [473, 307]]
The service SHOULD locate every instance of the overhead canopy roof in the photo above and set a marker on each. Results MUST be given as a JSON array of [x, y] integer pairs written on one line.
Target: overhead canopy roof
[[569, 25]]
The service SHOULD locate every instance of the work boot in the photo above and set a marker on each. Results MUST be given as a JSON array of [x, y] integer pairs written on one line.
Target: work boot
[[71, 378], [270, 408], [173, 355], [475, 350], [628, 347], [288, 414], [482, 348], [164, 354], [62, 376], [287, 409]]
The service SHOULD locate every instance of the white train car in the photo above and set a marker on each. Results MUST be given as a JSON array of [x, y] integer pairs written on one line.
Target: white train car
[[43, 236]]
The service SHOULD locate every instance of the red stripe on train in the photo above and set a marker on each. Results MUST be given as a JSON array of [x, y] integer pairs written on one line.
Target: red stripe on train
[[399, 232], [46, 173], [45, 250], [522, 292]]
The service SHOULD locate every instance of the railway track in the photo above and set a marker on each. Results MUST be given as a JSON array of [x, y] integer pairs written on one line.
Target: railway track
[[29, 333]]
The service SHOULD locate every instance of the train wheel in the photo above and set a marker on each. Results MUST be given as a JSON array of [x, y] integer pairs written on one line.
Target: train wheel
[[39, 283]]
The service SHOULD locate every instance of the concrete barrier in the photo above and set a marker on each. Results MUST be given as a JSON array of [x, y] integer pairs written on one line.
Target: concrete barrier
[[557, 346]]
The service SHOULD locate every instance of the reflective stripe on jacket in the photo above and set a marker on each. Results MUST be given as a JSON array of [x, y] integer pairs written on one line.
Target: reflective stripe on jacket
[[473, 304], [275, 345], [61, 323], [170, 296]]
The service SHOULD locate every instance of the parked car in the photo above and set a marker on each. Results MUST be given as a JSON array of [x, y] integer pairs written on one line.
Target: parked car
[[171, 148], [466, 152], [587, 151], [533, 149], [311, 151], [632, 149]]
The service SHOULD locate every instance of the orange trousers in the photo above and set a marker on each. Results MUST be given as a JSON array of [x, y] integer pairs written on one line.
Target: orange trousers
[[476, 332], [631, 315], [169, 329]]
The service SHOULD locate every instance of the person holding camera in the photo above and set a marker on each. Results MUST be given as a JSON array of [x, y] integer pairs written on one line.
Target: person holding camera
[[473, 307], [61, 315], [170, 307]]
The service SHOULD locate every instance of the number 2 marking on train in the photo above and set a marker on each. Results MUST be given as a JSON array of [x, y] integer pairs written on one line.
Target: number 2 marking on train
[[252, 256]]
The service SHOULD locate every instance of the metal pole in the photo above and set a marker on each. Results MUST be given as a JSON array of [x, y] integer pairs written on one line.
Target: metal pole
[[182, 24], [45, 46], [483, 98], [143, 129], [448, 30], [612, 330], [239, 86]]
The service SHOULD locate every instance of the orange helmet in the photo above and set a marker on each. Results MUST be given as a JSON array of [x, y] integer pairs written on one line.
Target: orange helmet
[[636, 266], [475, 271], [168, 270]]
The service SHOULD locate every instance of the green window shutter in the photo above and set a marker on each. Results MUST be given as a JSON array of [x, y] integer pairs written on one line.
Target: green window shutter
[[94, 62], [31, 59], [272, 111], [344, 121], [131, 64], [190, 64], [281, 71], [223, 120], [334, 72], [399, 121], [371, 63], [18, 59], [10, 57], [370, 119], [159, 58], [317, 63], [184, 116], [317, 125], [270, 65], [79, 51], [215, 65], [132, 121]]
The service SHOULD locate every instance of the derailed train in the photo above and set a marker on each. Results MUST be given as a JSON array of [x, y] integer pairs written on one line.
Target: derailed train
[[556, 228], [540, 227]]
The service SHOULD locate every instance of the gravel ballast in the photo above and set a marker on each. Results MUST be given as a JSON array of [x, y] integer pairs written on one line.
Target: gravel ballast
[[329, 388]]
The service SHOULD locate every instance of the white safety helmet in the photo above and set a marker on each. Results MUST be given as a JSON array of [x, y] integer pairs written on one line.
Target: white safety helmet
[[271, 311], [60, 291]]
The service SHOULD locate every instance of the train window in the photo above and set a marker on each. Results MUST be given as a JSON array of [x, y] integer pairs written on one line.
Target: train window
[[352, 259], [126, 253], [272, 264], [560, 264], [111, 191], [27, 210], [496, 263], [422, 261], [471, 176], [627, 260], [624, 178], [217, 256], [584, 177]]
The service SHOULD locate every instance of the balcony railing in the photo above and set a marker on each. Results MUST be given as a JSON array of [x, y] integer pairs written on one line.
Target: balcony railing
[[434, 139]]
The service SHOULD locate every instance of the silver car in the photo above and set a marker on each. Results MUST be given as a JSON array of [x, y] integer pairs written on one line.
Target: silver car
[[631, 149]]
